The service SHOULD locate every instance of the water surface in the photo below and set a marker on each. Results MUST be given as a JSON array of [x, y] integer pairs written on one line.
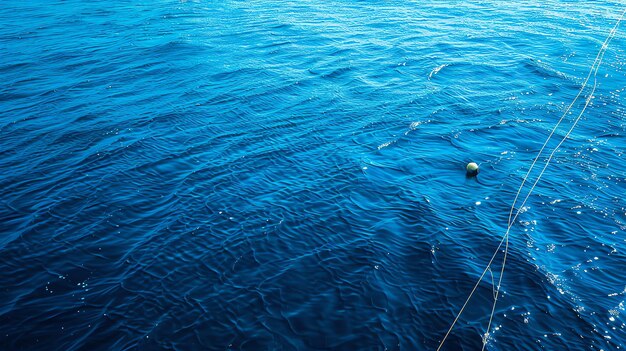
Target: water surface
[[274, 175]]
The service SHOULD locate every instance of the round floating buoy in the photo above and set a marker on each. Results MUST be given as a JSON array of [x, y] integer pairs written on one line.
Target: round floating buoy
[[472, 169]]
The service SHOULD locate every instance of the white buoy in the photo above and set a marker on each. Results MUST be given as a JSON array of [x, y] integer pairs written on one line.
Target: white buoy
[[472, 169]]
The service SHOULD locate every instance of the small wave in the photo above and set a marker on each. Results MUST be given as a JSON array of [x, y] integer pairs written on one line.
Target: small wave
[[384, 145], [436, 70], [415, 125], [542, 69], [337, 72]]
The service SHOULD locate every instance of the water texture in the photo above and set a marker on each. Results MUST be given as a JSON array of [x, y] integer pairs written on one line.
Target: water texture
[[289, 175]]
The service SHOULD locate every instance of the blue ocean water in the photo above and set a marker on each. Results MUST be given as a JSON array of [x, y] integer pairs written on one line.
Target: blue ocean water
[[278, 175]]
